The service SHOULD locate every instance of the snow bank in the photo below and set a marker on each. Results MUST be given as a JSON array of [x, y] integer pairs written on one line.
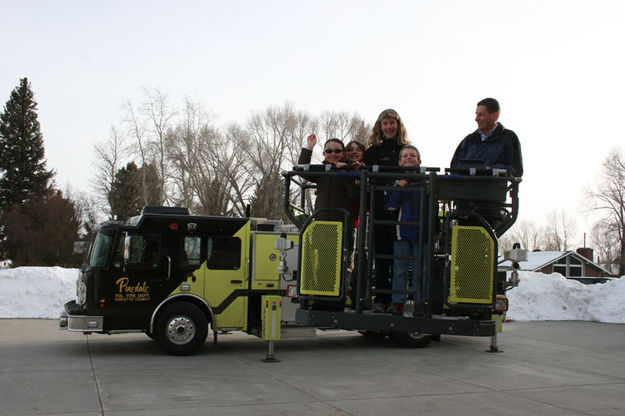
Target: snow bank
[[36, 292], [552, 297], [41, 292]]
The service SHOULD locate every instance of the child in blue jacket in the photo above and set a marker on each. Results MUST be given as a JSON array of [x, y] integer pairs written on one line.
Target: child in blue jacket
[[407, 236]]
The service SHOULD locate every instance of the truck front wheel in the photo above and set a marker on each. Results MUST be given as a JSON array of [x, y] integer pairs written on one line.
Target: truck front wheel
[[181, 329]]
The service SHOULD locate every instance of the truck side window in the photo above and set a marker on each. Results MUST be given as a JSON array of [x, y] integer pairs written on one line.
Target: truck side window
[[144, 251], [224, 253], [191, 253], [100, 250]]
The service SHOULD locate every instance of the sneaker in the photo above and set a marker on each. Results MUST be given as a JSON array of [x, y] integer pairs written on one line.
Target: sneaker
[[398, 309], [378, 307]]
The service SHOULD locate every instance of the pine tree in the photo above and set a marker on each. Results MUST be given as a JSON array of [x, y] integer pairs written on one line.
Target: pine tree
[[126, 196], [23, 173], [42, 231]]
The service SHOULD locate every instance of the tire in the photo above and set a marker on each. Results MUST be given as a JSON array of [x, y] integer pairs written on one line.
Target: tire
[[412, 339], [373, 334], [181, 329]]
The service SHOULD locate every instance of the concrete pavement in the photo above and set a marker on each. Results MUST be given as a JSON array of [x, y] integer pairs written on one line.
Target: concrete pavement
[[547, 368]]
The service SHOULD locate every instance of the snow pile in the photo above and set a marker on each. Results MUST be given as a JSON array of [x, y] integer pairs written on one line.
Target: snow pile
[[41, 292], [552, 297], [36, 292]]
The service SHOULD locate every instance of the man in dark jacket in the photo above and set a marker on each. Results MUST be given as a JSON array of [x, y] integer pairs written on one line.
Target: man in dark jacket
[[492, 144]]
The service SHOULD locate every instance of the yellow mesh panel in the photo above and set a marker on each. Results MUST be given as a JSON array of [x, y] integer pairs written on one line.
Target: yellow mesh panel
[[320, 272], [472, 271]]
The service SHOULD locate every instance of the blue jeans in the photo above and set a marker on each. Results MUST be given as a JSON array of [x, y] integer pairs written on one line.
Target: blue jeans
[[401, 267]]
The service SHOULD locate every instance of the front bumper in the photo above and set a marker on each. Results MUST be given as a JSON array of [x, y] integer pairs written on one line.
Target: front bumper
[[71, 320], [81, 323]]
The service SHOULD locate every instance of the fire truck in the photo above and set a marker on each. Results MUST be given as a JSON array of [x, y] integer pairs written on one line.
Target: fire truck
[[179, 277]]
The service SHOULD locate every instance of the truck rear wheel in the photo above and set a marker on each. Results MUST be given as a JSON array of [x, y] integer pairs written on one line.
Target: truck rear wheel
[[181, 329], [373, 334], [412, 339]]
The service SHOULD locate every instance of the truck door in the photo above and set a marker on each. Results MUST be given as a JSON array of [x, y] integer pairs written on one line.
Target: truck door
[[137, 274], [226, 278]]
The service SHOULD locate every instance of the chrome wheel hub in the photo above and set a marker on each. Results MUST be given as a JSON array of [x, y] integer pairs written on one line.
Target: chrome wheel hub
[[180, 330]]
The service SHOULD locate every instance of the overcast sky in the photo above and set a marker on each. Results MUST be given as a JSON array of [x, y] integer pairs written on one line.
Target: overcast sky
[[556, 67]]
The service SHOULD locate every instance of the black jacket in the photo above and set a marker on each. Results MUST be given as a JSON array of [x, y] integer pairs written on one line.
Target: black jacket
[[332, 191], [501, 150], [386, 154]]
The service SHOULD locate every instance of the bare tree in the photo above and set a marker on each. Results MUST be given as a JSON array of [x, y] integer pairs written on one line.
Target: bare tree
[[529, 235], [236, 167], [560, 232], [209, 172], [608, 197], [344, 126], [137, 131], [148, 124], [605, 241], [332, 124], [302, 124], [214, 171], [212, 178], [183, 147], [271, 136], [274, 138], [159, 113], [110, 155]]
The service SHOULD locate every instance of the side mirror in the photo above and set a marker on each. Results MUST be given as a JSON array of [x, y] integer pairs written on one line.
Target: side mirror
[[127, 246], [80, 247]]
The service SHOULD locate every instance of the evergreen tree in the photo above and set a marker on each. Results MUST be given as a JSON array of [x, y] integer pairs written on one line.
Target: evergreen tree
[[42, 231], [23, 173], [126, 196]]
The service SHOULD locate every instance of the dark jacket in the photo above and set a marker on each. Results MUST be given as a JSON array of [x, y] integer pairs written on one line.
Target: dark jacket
[[386, 154], [501, 150], [408, 203], [333, 191]]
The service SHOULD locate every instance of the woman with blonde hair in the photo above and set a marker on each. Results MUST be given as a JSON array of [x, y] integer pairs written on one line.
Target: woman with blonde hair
[[388, 126], [386, 140]]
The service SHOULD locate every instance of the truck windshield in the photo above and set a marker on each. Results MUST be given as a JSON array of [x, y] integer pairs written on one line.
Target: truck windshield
[[101, 249]]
